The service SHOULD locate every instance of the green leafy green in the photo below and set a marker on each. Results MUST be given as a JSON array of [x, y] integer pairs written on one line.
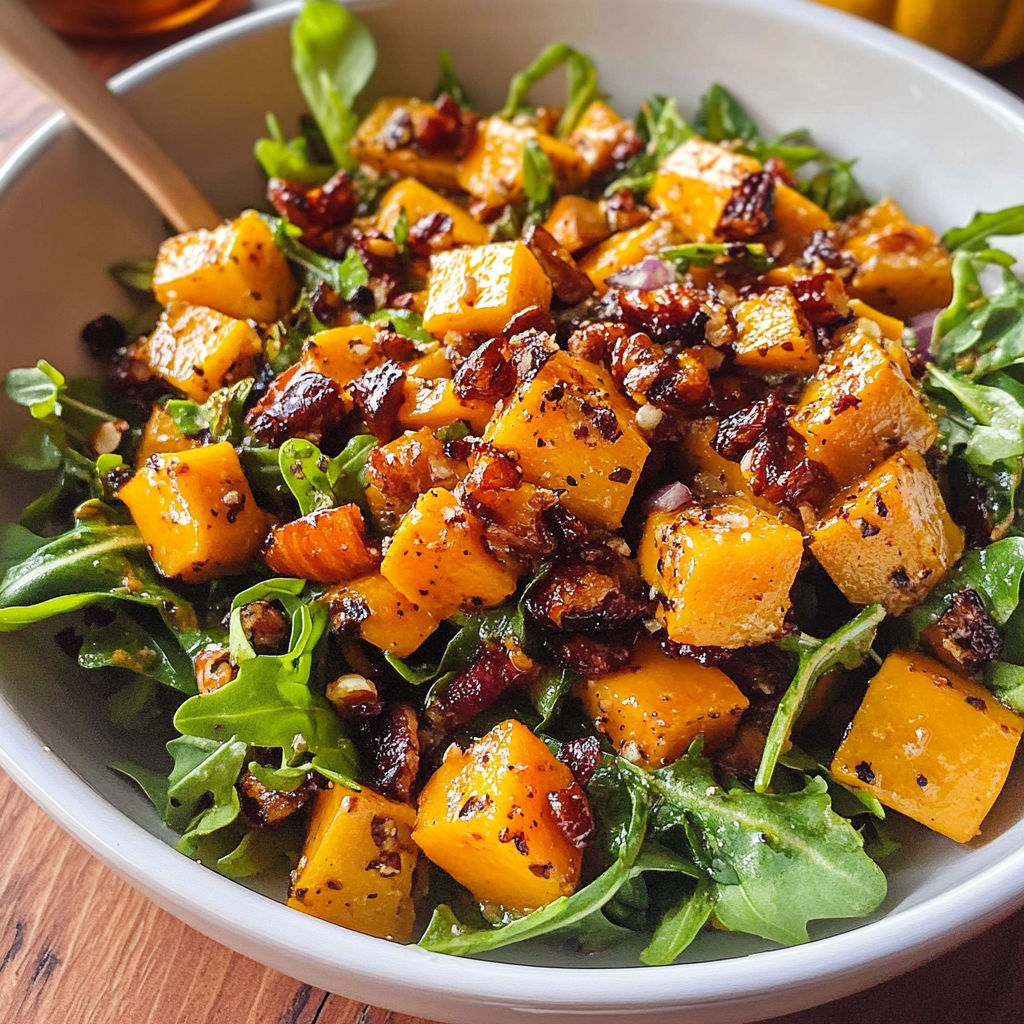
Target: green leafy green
[[289, 160], [538, 182], [834, 188], [318, 481], [333, 56], [848, 646], [38, 387], [345, 276], [663, 129], [554, 684], [581, 84], [1006, 682], [135, 275], [726, 257], [400, 232], [449, 82], [221, 414], [260, 850], [983, 226], [847, 801], [16, 544], [406, 322], [680, 925], [722, 117]]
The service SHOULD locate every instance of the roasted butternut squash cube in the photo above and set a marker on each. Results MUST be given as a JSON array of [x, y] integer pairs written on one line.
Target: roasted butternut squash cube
[[438, 559], [418, 201], [374, 144], [161, 436], [479, 289], [235, 269], [357, 865], [655, 707], [328, 546], [577, 223], [622, 250], [889, 538], [773, 334], [432, 364], [889, 327], [198, 350], [342, 353], [433, 404], [861, 406], [196, 513], [724, 572], [485, 817], [930, 744], [795, 215], [492, 171], [572, 433], [372, 609], [902, 268], [712, 474], [599, 133]]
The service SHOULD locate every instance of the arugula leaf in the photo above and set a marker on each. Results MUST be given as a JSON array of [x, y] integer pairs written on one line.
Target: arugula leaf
[[135, 275], [38, 387], [333, 56], [318, 481], [967, 293], [16, 544], [848, 646], [722, 117], [1006, 682], [260, 850], [34, 450], [777, 861], [406, 322], [581, 84], [449, 81], [153, 783], [834, 188], [290, 161], [345, 277], [134, 706], [752, 258], [856, 799], [663, 129], [538, 182], [446, 934], [555, 683], [680, 926], [221, 414], [400, 232], [983, 226]]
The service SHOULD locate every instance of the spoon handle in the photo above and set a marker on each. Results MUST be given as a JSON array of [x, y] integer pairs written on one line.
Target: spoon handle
[[50, 65]]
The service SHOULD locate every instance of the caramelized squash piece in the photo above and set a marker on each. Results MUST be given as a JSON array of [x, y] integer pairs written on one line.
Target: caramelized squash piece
[[655, 707], [437, 558], [861, 406], [357, 865], [479, 289], [485, 817], [328, 546], [196, 513], [342, 353], [418, 201], [572, 432], [773, 334], [930, 744], [492, 171], [889, 538], [795, 215], [598, 134], [161, 436], [890, 328], [576, 223], [622, 250], [373, 144], [902, 268], [433, 404], [235, 269], [198, 350], [724, 572], [373, 610]]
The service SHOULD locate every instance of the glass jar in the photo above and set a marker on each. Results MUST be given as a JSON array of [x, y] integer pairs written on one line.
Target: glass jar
[[120, 19]]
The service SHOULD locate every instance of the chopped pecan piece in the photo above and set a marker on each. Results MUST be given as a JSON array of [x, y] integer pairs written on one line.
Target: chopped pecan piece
[[213, 668], [641, 367], [265, 808], [965, 639], [318, 209], [579, 598], [432, 233], [593, 656], [390, 751], [265, 627], [529, 318], [298, 403], [623, 211], [822, 253], [378, 394], [572, 814], [823, 300], [675, 312], [582, 755], [748, 212], [487, 374], [570, 284]]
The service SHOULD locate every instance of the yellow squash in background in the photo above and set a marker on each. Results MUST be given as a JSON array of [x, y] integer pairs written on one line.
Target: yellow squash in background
[[981, 32]]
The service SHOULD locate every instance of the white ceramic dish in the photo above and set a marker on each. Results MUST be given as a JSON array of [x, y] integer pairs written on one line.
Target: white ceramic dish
[[941, 138]]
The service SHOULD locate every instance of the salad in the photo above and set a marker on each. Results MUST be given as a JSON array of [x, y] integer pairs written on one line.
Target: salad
[[545, 522]]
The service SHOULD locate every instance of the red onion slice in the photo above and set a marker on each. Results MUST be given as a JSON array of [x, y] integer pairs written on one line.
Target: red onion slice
[[922, 325], [669, 498], [645, 276]]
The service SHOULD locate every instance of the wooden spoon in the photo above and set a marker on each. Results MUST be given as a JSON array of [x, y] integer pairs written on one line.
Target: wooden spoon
[[43, 59]]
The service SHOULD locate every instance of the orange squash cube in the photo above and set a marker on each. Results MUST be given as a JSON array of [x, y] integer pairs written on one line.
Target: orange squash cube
[[418, 201], [492, 170], [196, 513], [573, 433], [795, 215], [902, 268], [328, 546], [373, 610], [198, 350], [576, 223], [598, 134], [890, 328], [623, 249], [161, 436], [371, 145], [343, 353], [773, 334], [930, 744], [479, 289], [485, 817], [357, 865], [861, 406], [431, 365], [655, 707], [235, 269], [889, 538], [724, 572], [433, 404], [438, 559]]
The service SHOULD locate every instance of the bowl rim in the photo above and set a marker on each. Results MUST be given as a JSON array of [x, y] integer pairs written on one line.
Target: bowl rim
[[250, 922]]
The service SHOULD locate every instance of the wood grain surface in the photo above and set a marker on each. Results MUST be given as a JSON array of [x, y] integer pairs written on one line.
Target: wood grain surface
[[80, 946]]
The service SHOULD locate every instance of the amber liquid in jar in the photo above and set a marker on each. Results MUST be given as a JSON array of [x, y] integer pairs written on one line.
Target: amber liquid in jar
[[120, 19]]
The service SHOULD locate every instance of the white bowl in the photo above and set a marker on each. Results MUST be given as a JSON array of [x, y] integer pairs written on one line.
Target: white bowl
[[936, 135]]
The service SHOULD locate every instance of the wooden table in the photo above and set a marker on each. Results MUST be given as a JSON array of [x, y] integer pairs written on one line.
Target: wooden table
[[79, 946]]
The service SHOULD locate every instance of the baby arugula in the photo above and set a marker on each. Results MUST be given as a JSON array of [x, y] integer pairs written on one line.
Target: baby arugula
[[318, 481]]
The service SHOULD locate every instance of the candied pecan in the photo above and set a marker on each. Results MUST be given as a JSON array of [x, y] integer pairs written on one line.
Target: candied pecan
[[529, 318], [578, 598], [623, 212], [641, 367], [809, 482], [394, 345], [130, 373], [213, 668], [582, 755], [593, 656], [765, 462], [593, 341], [298, 403], [315, 209], [378, 394], [407, 467], [780, 172], [477, 687], [749, 210], [486, 374], [103, 336], [965, 638], [354, 696], [529, 351], [567, 529], [396, 132], [974, 515], [327, 305], [572, 814], [738, 432], [570, 284], [823, 300], [672, 313], [823, 253], [265, 808], [491, 469], [265, 627], [432, 233], [389, 750]]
